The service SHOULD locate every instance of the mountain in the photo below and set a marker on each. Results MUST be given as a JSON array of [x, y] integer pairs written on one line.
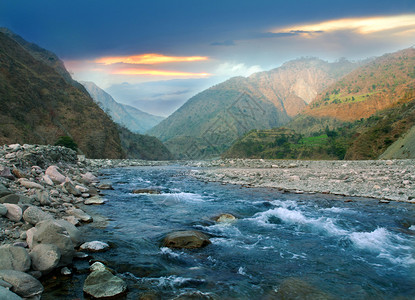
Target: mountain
[[40, 102], [134, 119], [378, 85], [209, 122]]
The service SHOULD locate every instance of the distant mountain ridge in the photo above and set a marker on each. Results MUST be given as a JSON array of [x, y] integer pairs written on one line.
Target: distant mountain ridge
[[214, 118], [134, 119]]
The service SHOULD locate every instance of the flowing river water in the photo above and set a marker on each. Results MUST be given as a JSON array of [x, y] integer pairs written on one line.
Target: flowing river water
[[280, 243]]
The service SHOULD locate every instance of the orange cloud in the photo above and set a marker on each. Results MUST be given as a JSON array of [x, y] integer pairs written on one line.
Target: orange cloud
[[158, 73], [148, 59]]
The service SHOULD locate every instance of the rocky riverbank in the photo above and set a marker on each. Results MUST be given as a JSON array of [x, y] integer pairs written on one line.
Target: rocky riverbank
[[386, 180], [43, 190]]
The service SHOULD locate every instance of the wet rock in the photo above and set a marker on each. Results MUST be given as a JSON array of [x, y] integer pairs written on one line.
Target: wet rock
[[294, 288], [6, 173], [73, 232], [82, 189], [66, 271], [34, 215], [14, 212], [89, 177], [53, 173], [3, 210], [103, 284], [189, 239], [4, 191], [23, 284], [71, 219], [80, 214], [30, 184], [71, 189], [225, 218], [94, 246], [45, 257], [105, 186], [96, 200], [12, 198], [97, 266], [147, 191], [14, 258], [51, 232], [5, 294]]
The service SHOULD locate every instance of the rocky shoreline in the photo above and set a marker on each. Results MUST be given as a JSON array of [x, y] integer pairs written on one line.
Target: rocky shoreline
[[386, 180]]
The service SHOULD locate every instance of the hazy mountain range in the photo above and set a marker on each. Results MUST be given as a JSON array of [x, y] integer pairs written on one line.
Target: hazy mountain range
[[128, 116]]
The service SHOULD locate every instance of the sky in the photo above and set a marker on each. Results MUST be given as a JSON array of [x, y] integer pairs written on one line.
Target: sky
[[155, 55]]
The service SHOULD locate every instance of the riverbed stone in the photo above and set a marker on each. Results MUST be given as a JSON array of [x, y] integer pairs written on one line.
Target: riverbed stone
[[14, 258], [3, 210], [45, 257], [29, 236], [14, 212], [95, 200], [51, 232], [4, 191], [103, 284], [23, 284], [54, 174], [295, 288], [34, 215], [94, 246], [71, 189], [6, 173], [30, 184], [5, 294], [225, 218], [188, 239], [11, 198], [80, 214], [73, 232], [89, 177], [105, 186]]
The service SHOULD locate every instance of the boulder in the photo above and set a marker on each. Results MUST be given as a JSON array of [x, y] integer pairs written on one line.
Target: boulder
[[295, 288], [4, 191], [97, 200], [188, 239], [5, 294], [14, 258], [94, 246], [14, 212], [89, 177], [34, 215], [71, 219], [73, 232], [71, 189], [18, 174], [97, 266], [43, 198], [80, 214], [29, 236], [45, 257], [6, 173], [225, 218], [30, 184], [51, 232], [105, 186], [23, 284], [82, 189], [147, 191], [47, 180], [102, 284], [3, 210], [54, 174], [12, 198]]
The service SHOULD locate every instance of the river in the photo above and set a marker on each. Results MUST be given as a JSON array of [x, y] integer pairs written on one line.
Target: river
[[280, 242]]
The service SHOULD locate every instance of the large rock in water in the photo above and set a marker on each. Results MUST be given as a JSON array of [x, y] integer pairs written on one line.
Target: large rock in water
[[45, 257], [294, 288], [23, 284], [51, 232], [34, 215], [102, 284], [188, 239], [5, 294], [14, 258]]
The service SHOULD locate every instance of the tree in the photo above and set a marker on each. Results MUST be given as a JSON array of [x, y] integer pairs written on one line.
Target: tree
[[68, 142]]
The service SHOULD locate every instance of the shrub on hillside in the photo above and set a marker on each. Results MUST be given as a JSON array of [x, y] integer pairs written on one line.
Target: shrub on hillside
[[68, 142]]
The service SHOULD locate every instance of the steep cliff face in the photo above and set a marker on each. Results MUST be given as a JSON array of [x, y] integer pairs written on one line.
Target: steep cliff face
[[378, 85], [38, 105], [216, 117]]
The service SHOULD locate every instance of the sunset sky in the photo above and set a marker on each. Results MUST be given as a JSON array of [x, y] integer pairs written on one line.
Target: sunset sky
[[156, 54]]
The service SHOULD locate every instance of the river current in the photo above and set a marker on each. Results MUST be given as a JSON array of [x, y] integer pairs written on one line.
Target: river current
[[357, 249]]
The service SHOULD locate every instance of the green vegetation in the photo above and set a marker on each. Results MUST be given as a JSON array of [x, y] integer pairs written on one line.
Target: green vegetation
[[68, 142]]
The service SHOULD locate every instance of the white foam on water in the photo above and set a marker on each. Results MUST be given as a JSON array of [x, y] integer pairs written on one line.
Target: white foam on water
[[169, 252], [184, 197], [222, 229], [241, 271], [338, 210], [171, 281], [412, 227]]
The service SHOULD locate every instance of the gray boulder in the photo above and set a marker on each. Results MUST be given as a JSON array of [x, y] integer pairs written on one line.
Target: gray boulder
[[23, 284], [30, 184], [34, 215], [29, 236], [95, 246], [3, 210], [105, 186], [45, 257], [73, 232], [51, 232], [5, 294], [188, 239], [4, 191], [96, 200], [71, 189], [43, 197], [102, 284], [11, 198], [80, 214], [6, 173], [14, 212], [53, 173], [14, 258]]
